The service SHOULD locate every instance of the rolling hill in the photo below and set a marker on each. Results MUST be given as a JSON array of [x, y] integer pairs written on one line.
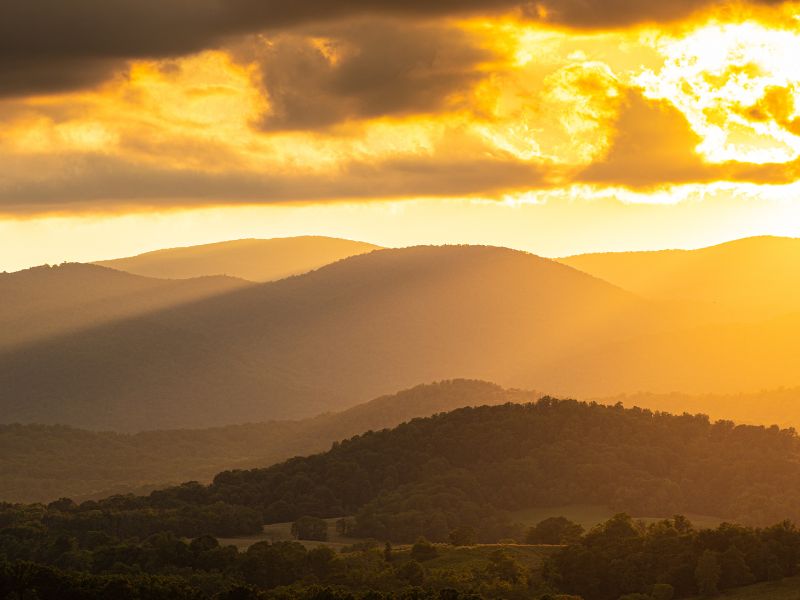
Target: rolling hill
[[251, 259], [40, 463], [753, 278], [47, 301], [323, 341]]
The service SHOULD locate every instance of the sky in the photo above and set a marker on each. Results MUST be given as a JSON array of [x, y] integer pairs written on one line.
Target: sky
[[557, 127]]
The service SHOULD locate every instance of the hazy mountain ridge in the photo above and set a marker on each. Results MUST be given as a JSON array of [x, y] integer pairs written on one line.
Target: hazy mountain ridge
[[381, 321], [779, 407], [322, 341], [753, 278], [250, 259], [45, 462], [55, 300]]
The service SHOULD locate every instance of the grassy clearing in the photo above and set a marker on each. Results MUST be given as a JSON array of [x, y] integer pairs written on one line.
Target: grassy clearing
[[589, 515], [786, 589], [465, 558], [278, 532]]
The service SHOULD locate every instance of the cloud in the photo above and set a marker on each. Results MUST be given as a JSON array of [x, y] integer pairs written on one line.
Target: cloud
[[96, 182], [87, 37], [365, 69], [655, 146], [609, 14]]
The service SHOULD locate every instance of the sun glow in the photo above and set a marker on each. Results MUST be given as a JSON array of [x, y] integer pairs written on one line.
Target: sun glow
[[738, 85]]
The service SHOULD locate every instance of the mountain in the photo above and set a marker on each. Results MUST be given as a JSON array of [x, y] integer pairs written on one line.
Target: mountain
[[40, 463], [326, 340], [753, 277], [47, 301], [251, 259]]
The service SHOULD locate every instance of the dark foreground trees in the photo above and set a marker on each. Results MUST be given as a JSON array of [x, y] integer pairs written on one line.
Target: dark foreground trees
[[624, 557]]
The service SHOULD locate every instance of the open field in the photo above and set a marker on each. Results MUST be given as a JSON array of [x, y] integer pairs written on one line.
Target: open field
[[589, 515], [278, 532], [786, 589], [467, 558]]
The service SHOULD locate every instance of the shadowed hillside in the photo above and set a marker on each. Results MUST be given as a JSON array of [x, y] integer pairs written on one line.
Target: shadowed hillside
[[46, 301], [251, 259], [323, 341], [45, 462], [753, 277]]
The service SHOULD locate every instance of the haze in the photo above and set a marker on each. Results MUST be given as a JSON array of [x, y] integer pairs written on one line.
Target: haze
[[399, 300]]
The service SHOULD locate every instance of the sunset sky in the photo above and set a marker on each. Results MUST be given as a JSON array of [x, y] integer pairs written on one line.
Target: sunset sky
[[559, 127]]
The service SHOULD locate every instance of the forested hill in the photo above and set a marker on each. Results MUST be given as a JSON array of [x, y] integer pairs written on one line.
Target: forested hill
[[431, 475], [471, 466]]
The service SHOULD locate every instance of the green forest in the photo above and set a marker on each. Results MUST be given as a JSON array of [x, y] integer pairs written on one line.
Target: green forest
[[428, 507]]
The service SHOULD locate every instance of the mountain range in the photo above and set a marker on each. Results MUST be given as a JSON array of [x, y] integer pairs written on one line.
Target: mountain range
[[388, 319], [326, 340]]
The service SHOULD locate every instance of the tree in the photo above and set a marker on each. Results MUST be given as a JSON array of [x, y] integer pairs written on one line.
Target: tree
[[503, 566], [423, 550], [387, 552], [412, 572], [555, 530], [463, 536], [707, 573], [322, 561], [310, 528], [734, 571], [662, 591]]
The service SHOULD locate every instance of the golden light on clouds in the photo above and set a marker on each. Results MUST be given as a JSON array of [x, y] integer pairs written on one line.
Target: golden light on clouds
[[514, 107], [737, 84]]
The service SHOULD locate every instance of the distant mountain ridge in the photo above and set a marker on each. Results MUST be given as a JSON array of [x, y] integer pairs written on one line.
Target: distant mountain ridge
[[40, 463], [322, 341], [754, 278], [251, 259], [47, 301], [381, 321]]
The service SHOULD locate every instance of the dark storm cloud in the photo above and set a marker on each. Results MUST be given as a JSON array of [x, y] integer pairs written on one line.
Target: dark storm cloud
[[381, 68], [602, 14], [85, 37]]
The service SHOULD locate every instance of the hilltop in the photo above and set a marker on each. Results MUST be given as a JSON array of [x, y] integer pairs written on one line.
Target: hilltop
[[251, 259], [47, 301], [753, 277]]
